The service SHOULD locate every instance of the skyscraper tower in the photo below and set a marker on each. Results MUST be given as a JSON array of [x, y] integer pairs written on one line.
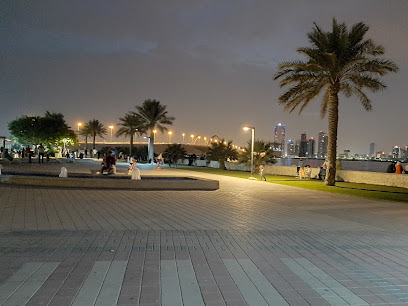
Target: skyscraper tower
[[310, 147], [322, 145], [291, 149], [279, 139], [372, 149], [303, 145]]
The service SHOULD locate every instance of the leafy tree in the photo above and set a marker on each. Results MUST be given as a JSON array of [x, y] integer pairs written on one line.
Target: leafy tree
[[130, 125], [153, 116], [340, 61], [174, 152], [49, 130], [262, 153], [222, 151], [95, 128]]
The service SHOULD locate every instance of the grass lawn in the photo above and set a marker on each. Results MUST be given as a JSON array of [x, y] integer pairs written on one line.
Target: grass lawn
[[361, 190]]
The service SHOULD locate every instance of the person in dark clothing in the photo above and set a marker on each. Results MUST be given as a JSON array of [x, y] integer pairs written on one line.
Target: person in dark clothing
[[391, 168]]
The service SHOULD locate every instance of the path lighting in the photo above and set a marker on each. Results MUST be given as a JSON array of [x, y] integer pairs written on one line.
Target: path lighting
[[170, 133], [246, 128], [154, 135], [199, 137], [111, 128], [192, 138], [184, 134]]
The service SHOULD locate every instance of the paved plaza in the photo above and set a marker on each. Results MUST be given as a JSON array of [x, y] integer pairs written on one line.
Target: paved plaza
[[248, 243]]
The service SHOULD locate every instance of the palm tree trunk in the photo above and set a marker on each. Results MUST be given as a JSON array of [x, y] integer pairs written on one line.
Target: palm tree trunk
[[93, 144], [151, 146], [131, 145], [330, 179]]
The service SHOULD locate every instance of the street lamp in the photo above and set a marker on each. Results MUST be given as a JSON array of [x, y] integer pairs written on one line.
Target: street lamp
[[246, 128], [199, 138], [170, 132], [154, 135], [79, 125], [148, 146], [184, 134], [192, 138], [111, 128]]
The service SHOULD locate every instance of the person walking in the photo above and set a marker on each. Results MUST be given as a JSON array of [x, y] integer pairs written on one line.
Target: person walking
[[41, 152], [261, 172]]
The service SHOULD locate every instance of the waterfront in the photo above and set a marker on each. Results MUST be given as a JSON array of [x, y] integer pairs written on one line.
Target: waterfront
[[357, 165]]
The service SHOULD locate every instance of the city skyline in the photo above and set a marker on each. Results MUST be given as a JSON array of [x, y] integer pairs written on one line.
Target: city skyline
[[211, 63]]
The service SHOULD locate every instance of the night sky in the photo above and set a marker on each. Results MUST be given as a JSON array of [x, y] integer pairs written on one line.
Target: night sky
[[211, 62]]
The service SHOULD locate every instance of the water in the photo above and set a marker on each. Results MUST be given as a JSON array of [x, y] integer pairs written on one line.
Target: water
[[356, 165]]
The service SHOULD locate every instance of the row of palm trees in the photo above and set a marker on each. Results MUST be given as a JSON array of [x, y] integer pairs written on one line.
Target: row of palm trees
[[151, 115]]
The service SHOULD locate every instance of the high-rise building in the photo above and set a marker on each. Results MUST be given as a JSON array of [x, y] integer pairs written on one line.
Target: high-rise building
[[310, 148], [322, 145], [297, 147], [279, 138], [303, 145], [372, 149], [291, 148]]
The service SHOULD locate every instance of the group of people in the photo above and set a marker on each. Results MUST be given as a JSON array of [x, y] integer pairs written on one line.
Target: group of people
[[305, 171], [396, 167]]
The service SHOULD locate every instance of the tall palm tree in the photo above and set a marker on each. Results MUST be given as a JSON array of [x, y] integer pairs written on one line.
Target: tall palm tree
[[340, 61], [154, 116], [221, 151], [95, 128], [130, 125], [86, 132]]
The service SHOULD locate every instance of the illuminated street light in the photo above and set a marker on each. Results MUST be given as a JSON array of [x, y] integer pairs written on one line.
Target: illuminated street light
[[192, 138], [184, 134], [246, 128], [199, 137], [170, 133], [111, 128]]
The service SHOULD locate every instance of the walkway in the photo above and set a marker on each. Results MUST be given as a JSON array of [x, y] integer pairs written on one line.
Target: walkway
[[249, 243]]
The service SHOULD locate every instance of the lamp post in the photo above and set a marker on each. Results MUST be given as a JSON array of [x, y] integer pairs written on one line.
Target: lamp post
[[170, 133], [154, 135], [148, 146], [79, 125], [184, 134], [111, 128], [246, 128], [192, 138]]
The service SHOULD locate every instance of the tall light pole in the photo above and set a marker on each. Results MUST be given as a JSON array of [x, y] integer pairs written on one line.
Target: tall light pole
[[184, 134], [154, 135], [79, 125], [111, 128], [170, 132], [246, 128], [192, 138], [199, 138]]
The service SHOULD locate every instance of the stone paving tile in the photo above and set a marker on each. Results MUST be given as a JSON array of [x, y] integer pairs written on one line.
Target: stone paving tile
[[218, 241]]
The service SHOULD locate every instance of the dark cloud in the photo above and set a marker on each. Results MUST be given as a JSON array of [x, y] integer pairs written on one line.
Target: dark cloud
[[212, 62]]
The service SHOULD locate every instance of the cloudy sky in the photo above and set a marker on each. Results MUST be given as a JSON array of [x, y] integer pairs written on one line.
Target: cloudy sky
[[210, 61]]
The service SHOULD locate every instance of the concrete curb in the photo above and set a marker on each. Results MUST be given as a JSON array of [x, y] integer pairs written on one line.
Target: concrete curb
[[146, 183]]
